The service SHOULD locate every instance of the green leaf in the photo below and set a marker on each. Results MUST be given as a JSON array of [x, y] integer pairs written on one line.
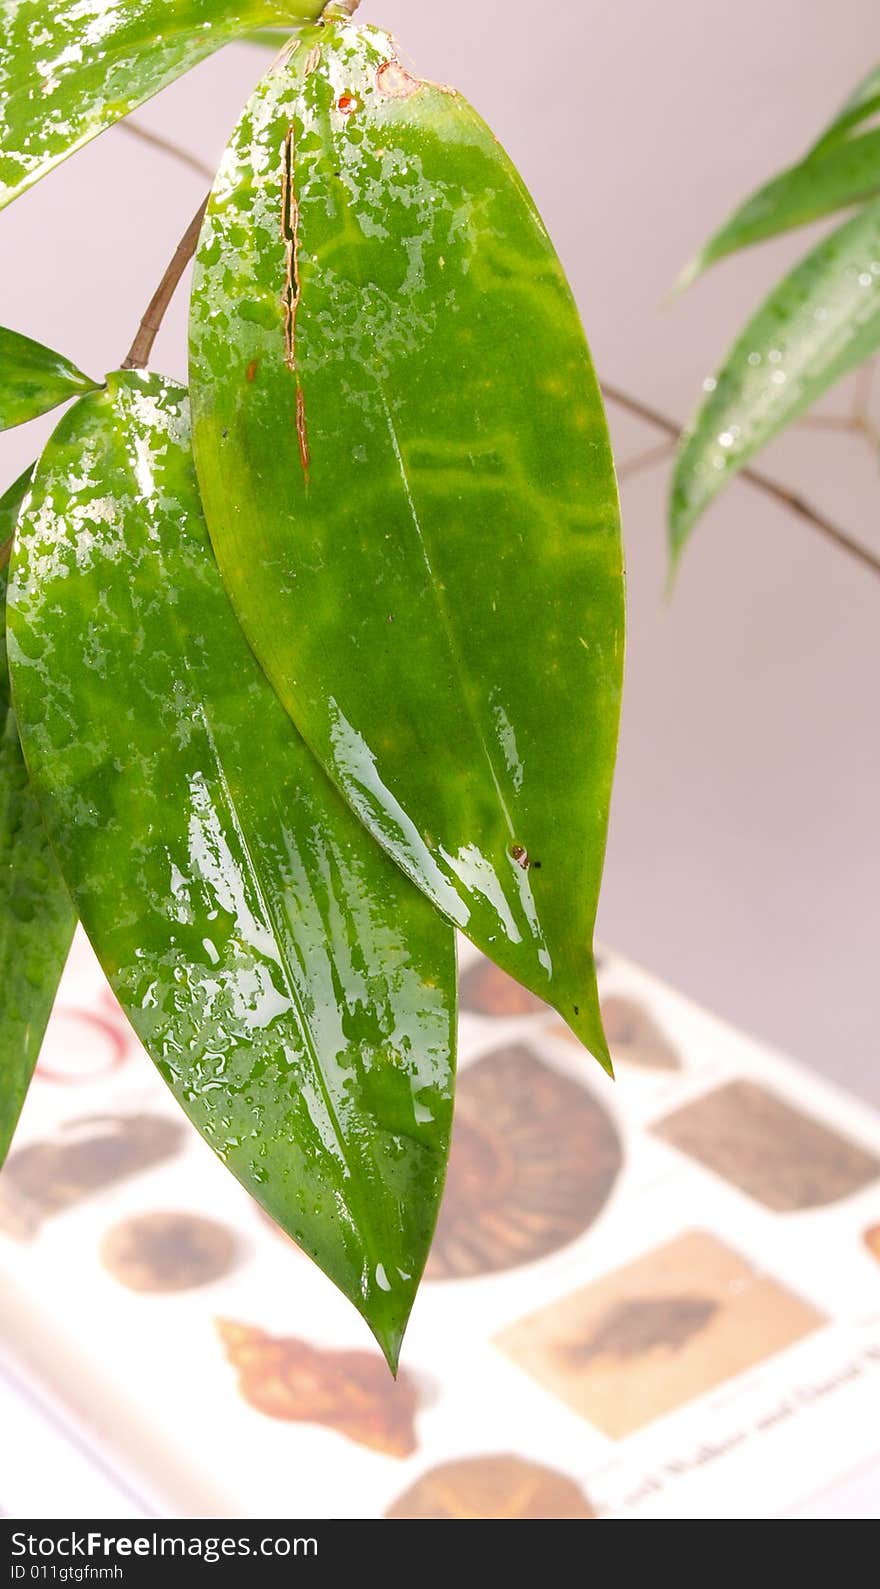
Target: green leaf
[[267, 38], [819, 322], [862, 104], [835, 176], [296, 993], [36, 916], [406, 471], [71, 68], [33, 379]]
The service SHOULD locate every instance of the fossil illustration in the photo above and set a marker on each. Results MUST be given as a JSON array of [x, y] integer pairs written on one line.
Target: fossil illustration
[[634, 1036], [486, 990], [351, 1392], [769, 1149], [534, 1159], [499, 1487], [645, 1339], [87, 1155], [643, 1324], [165, 1252]]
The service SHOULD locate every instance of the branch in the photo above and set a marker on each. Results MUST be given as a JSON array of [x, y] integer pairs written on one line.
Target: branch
[[795, 504], [139, 353], [165, 146]]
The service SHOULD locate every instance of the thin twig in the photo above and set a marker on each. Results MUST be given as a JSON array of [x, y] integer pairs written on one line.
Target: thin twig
[[829, 422], [861, 426], [861, 411], [795, 504], [644, 460], [139, 353], [155, 141]]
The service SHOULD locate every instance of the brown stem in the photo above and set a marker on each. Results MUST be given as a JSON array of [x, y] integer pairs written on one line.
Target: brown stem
[[644, 460], [155, 141], [139, 353], [862, 393], [788, 499], [336, 10]]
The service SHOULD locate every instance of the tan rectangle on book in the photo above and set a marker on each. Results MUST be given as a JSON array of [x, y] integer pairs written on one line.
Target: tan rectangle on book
[[783, 1158], [654, 1335]]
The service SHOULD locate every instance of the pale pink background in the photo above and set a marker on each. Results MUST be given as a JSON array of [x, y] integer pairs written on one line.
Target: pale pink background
[[745, 862]]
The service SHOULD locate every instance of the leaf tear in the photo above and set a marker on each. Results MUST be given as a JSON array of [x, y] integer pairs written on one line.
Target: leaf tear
[[292, 294]]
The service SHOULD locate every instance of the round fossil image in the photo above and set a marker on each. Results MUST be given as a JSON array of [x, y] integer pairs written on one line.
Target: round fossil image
[[534, 1159], [493, 1487], [165, 1252]]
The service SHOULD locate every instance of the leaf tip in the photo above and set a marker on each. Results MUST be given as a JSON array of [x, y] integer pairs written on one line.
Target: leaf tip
[[585, 1020], [389, 1334], [686, 278]]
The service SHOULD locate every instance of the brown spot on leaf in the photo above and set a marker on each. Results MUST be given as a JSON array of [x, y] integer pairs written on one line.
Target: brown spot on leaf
[[395, 82], [252, 369], [302, 432], [520, 854]]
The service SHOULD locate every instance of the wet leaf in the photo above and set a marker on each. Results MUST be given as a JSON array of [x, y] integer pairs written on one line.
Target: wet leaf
[[37, 919], [406, 471], [836, 175], [71, 68], [820, 322], [33, 379], [296, 993]]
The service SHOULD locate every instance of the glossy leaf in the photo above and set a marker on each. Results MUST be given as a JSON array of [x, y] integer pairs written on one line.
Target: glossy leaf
[[71, 68], [838, 174], [295, 991], [819, 322], [36, 918], [406, 472], [33, 379], [861, 106]]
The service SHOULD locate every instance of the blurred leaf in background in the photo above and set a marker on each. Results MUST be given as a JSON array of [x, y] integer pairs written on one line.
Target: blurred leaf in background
[[819, 323]]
